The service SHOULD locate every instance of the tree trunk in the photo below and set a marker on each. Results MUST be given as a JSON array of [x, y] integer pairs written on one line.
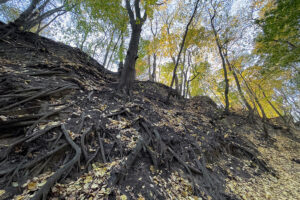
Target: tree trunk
[[181, 47], [154, 68], [264, 116], [182, 73], [259, 105], [175, 77], [254, 104], [128, 73], [187, 89], [185, 84], [186, 81], [231, 69], [223, 64], [226, 81], [107, 48], [149, 65], [95, 47], [271, 104], [83, 41], [177, 84], [113, 51]]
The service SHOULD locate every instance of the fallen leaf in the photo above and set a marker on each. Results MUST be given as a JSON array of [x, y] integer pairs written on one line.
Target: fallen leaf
[[88, 179], [32, 186]]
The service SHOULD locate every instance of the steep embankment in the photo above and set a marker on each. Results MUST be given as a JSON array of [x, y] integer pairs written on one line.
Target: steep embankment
[[61, 120]]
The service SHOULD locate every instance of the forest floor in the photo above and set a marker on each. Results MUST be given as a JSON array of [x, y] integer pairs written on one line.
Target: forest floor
[[66, 133]]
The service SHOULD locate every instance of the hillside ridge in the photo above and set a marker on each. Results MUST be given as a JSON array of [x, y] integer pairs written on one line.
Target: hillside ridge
[[67, 133]]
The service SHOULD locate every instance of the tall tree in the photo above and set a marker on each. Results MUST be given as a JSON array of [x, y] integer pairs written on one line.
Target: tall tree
[[212, 15], [154, 49], [238, 85], [168, 39], [182, 45], [136, 23]]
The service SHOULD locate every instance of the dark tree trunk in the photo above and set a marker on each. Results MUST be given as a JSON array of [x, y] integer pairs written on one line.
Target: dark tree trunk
[[255, 109], [177, 83], [154, 68], [186, 81], [113, 51], [107, 48], [128, 73], [271, 104], [120, 68], [264, 116], [182, 74], [181, 48], [239, 88], [133, 46], [226, 81], [149, 65], [223, 63], [175, 76]]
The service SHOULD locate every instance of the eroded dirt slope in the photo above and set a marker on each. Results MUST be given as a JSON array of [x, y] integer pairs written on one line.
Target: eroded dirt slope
[[67, 134]]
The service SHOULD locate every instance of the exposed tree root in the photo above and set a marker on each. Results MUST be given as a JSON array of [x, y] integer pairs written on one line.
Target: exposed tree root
[[45, 116], [101, 147], [46, 92], [187, 167], [83, 147], [118, 174], [11, 123], [247, 152], [35, 136], [39, 94], [32, 163], [92, 158], [42, 193], [27, 139]]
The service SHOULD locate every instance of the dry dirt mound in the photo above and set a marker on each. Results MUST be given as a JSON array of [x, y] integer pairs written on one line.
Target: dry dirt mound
[[67, 134]]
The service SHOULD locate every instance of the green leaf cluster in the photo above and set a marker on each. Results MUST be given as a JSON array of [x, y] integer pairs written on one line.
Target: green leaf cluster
[[279, 42]]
